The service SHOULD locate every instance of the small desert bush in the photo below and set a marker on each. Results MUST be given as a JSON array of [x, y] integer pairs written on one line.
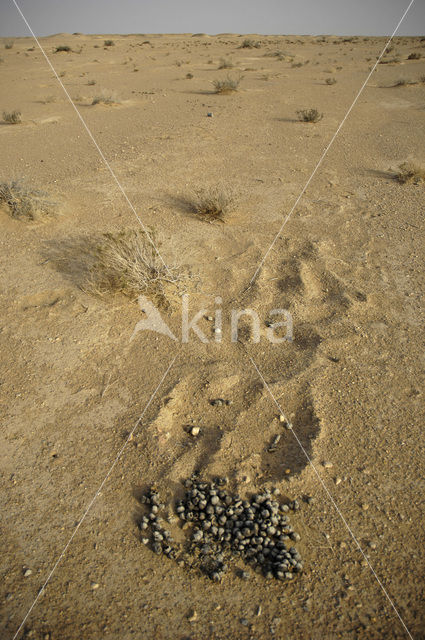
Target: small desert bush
[[309, 115], [8, 45], [225, 63], [410, 172], [106, 98], [24, 202], [91, 83], [213, 203], [12, 117], [414, 56], [127, 262], [109, 43], [189, 76], [250, 44], [62, 47], [229, 85], [330, 81]]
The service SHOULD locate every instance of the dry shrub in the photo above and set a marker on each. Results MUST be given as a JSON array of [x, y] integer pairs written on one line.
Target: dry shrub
[[410, 172], [309, 115], [63, 48], [229, 85], [213, 203], [330, 81], [12, 117], [127, 262], [414, 56], [24, 202], [108, 43]]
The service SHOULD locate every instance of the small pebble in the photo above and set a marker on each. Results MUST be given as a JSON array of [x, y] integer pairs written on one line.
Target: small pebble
[[27, 573], [327, 465], [192, 615], [94, 586], [195, 431]]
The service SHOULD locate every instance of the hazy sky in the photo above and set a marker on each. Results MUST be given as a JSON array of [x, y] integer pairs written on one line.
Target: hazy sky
[[362, 17]]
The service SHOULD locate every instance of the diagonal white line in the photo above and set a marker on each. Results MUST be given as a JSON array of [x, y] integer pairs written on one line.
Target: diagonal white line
[[333, 501], [322, 157], [92, 501], [83, 122]]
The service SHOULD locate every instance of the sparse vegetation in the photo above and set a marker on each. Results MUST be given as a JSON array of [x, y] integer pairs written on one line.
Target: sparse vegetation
[[12, 117], [109, 43], [127, 262], [309, 115], [91, 83], [106, 98], [414, 56], [250, 44], [225, 63], [62, 48], [409, 172], [229, 85], [330, 81], [189, 76], [24, 202], [8, 45], [213, 203]]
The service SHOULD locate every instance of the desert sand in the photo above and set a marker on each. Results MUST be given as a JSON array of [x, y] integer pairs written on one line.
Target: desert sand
[[348, 265]]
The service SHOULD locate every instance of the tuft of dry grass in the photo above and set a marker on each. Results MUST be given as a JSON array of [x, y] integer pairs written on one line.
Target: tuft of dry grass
[[126, 262], [8, 45], [91, 83], [108, 43], [24, 202], [63, 48], [330, 81], [309, 115], [410, 172], [12, 117], [213, 203], [229, 85], [106, 98], [414, 56]]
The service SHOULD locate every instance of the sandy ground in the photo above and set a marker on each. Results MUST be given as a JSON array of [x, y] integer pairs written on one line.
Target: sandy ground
[[348, 266]]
